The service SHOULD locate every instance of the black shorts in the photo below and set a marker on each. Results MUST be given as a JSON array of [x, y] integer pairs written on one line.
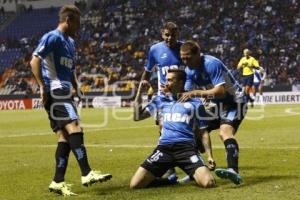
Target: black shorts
[[183, 155], [248, 80], [231, 114], [60, 108]]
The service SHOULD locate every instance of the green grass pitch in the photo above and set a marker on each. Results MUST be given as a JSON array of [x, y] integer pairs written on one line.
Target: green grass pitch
[[269, 140]]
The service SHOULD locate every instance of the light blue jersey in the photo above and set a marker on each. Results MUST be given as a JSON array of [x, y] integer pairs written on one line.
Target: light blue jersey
[[57, 53], [178, 119], [164, 58], [212, 73]]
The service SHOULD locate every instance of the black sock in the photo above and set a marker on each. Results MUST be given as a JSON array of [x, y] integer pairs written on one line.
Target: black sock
[[250, 99], [78, 149], [232, 151], [61, 156], [161, 182]]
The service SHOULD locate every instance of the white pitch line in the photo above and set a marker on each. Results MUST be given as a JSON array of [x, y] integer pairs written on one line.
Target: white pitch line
[[289, 113], [133, 146], [85, 130]]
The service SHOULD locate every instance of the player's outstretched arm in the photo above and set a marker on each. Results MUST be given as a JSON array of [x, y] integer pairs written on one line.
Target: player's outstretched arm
[[206, 142], [144, 80], [139, 113], [217, 91]]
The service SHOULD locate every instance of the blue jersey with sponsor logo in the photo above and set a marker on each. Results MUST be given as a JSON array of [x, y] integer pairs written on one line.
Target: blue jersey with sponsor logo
[[164, 58], [57, 52], [212, 73], [178, 119]]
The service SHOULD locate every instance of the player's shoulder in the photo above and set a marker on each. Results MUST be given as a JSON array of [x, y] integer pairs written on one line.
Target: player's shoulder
[[51, 35], [157, 45], [243, 58], [252, 58], [211, 59], [211, 62]]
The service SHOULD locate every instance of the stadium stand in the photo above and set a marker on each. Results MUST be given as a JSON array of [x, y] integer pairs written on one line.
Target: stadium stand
[[115, 37], [26, 24]]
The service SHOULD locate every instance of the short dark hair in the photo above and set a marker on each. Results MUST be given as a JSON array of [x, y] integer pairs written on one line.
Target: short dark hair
[[69, 11], [170, 26], [192, 46], [180, 74]]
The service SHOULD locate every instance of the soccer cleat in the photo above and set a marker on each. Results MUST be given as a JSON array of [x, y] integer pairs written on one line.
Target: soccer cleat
[[229, 174], [184, 180], [61, 188], [173, 178], [170, 172], [93, 177]]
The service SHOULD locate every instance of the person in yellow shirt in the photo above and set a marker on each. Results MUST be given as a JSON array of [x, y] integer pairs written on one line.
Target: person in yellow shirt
[[248, 64]]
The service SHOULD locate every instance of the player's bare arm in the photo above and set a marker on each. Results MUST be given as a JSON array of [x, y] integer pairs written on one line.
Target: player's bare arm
[[217, 91], [139, 113], [144, 80], [35, 64], [206, 142], [76, 86]]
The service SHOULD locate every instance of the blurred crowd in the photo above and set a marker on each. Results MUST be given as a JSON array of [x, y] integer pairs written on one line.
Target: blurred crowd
[[116, 36]]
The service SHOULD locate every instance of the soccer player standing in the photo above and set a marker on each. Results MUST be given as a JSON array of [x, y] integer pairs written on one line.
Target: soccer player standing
[[248, 64], [53, 67], [208, 72], [165, 55], [177, 141]]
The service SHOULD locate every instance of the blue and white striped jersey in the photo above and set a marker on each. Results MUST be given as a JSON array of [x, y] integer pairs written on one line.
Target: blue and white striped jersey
[[57, 52]]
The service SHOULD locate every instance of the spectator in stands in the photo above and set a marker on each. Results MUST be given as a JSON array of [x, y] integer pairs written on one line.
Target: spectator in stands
[[113, 30]]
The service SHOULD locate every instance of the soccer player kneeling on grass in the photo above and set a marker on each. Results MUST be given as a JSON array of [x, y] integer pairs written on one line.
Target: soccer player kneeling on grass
[[53, 67], [176, 146]]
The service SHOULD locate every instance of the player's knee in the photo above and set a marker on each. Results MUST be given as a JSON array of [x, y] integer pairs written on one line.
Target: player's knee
[[226, 131], [209, 182], [134, 184], [73, 127], [62, 136]]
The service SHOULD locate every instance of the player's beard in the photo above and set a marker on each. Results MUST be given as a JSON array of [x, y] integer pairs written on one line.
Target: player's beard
[[171, 44]]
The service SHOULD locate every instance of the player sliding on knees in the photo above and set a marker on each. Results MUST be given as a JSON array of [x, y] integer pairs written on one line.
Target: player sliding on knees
[[176, 146]]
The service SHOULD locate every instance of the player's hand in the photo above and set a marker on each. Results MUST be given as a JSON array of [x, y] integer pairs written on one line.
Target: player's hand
[[186, 96], [144, 85], [211, 164], [77, 93], [44, 96]]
